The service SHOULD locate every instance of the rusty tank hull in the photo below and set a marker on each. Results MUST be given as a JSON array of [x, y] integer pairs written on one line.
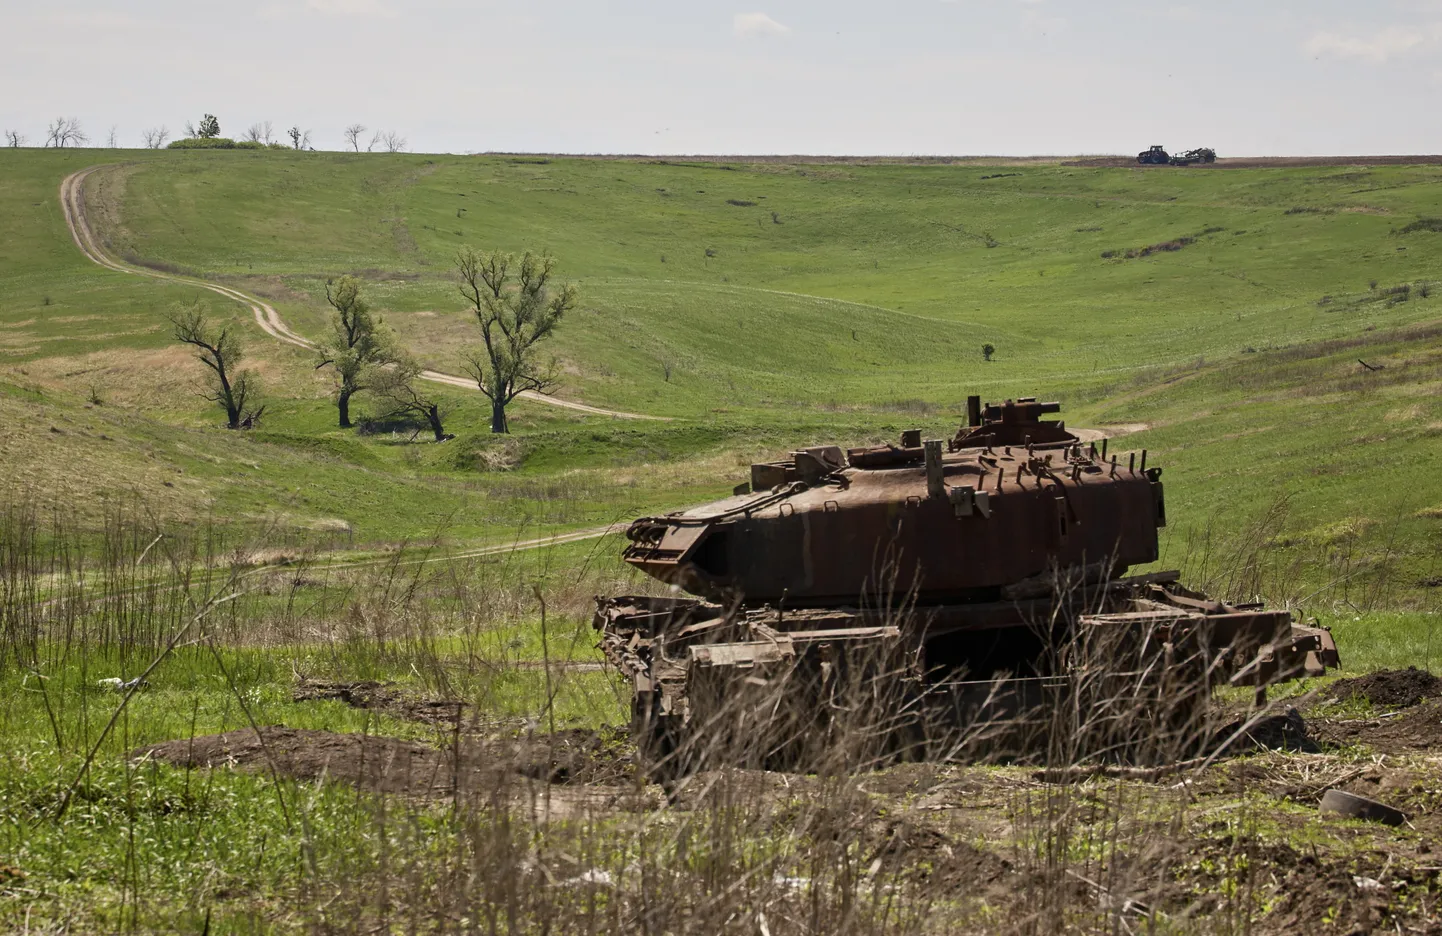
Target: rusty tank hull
[[978, 583]]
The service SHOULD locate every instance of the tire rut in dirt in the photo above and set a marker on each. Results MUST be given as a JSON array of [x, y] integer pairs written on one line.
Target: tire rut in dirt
[[382, 764]]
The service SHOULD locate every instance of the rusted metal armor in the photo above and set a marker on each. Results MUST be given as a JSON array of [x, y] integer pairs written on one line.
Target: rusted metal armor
[[974, 557]]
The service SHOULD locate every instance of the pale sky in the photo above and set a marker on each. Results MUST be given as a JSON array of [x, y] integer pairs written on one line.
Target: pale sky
[[904, 77]]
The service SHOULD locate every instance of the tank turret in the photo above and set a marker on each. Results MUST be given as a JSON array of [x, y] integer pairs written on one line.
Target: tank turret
[[957, 521]]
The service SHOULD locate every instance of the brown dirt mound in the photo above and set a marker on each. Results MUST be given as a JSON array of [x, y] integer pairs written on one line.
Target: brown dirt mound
[[392, 765], [1389, 688]]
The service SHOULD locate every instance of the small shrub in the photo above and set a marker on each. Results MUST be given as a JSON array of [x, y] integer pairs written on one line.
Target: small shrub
[[1307, 209], [1424, 290], [1109, 254], [1325, 300], [1163, 247], [1396, 295], [1434, 225], [221, 143], [987, 350], [202, 143], [1371, 284], [775, 218], [740, 203]]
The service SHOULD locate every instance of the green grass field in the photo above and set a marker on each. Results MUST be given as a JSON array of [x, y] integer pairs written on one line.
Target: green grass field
[[790, 305]]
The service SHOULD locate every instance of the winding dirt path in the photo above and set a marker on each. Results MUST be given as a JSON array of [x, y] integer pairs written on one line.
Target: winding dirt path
[[72, 202]]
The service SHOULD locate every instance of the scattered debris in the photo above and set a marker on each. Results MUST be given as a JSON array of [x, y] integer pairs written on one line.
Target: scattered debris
[[1352, 806], [1285, 732]]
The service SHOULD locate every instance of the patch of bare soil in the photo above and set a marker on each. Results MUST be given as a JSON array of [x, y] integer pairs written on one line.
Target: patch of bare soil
[[392, 765], [1306, 888], [1392, 689], [381, 697], [1417, 729]]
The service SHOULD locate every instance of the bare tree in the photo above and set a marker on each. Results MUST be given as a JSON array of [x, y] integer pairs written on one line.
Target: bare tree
[[360, 348], [14, 138], [300, 139], [387, 140], [220, 351], [65, 131], [352, 135], [516, 310], [397, 386], [261, 132], [110, 139], [155, 137]]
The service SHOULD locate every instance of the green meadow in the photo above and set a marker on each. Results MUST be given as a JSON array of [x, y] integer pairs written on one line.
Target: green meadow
[[1215, 318], [758, 306]]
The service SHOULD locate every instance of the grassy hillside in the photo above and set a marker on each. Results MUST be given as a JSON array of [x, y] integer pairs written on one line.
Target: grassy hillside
[[902, 272], [790, 303]]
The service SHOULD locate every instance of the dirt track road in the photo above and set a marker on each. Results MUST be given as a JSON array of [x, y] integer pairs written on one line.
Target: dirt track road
[[72, 201]]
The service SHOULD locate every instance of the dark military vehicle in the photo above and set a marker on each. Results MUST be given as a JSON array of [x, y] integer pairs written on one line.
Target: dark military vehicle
[[964, 592]]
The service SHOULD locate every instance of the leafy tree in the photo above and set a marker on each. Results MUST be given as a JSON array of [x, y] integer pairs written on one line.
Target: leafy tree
[[987, 350], [360, 347], [209, 128], [516, 310], [299, 139], [399, 388], [220, 351]]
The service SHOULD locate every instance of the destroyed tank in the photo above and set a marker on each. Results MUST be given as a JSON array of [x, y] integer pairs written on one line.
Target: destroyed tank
[[963, 592]]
